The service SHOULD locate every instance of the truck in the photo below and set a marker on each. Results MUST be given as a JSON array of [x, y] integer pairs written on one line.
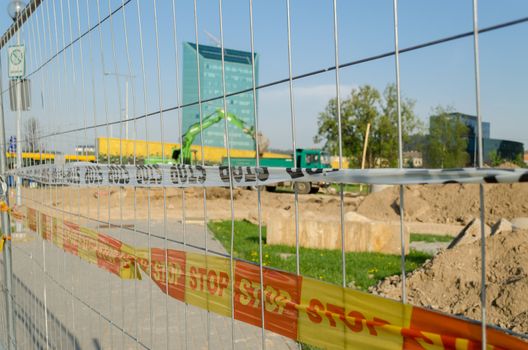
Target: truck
[[306, 158]]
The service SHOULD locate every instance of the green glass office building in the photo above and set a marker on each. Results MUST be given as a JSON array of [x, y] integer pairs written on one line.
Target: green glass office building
[[238, 76]]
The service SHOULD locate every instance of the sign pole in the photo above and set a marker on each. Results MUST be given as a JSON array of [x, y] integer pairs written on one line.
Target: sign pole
[[19, 138], [6, 229]]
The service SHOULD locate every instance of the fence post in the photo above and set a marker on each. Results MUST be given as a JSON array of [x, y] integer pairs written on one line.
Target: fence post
[[6, 230]]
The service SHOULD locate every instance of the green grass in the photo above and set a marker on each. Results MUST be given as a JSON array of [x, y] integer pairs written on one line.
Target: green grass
[[363, 269], [423, 237], [353, 188], [283, 189]]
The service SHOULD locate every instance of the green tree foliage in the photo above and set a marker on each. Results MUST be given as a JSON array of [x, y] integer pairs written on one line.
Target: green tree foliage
[[519, 160], [363, 106], [447, 142], [495, 158], [416, 142]]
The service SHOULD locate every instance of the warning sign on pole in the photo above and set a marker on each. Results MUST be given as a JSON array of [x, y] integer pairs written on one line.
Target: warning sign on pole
[[17, 61], [24, 91]]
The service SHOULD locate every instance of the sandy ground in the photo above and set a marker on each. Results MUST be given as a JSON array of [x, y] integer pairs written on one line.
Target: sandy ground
[[445, 204], [124, 204]]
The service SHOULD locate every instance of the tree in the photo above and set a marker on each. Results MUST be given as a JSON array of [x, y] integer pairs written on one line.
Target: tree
[[385, 133], [495, 158], [448, 140], [32, 135], [416, 142], [366, 105]]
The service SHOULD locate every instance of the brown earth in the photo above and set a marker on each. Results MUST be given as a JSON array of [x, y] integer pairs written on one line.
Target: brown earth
[[452, 203], [448, 204], [450, 282], [97, 202]]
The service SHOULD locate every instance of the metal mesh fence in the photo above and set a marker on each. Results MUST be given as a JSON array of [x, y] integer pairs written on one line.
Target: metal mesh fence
[[133, 105]]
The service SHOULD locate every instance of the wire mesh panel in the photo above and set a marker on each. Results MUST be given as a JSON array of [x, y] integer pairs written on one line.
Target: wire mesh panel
[[206, 174]]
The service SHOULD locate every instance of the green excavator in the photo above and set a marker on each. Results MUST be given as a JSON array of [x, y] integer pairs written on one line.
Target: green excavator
[[185, 152], [306, 158]]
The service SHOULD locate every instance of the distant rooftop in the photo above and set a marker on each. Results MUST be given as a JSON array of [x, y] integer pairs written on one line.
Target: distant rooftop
[[230, 55], [463, 115]]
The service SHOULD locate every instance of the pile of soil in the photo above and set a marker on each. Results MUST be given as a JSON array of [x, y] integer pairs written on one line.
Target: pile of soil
[[508, 165], [448, 204], [450, 282]]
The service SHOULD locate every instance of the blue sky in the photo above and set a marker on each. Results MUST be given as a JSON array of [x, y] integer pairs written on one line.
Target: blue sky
[[440, 75]]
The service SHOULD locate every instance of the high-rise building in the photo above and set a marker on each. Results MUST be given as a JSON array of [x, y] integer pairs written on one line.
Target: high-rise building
[[471, 122], [505, 149], [238, 77]]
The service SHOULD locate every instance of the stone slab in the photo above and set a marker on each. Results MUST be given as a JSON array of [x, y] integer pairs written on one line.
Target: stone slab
[[321, 232], [434, 229]]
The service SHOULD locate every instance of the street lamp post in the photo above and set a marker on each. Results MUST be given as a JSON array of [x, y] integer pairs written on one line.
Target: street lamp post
[[127, 77], [14, 9]]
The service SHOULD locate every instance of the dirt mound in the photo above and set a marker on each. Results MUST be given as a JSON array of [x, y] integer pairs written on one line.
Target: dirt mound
[[508, 165], [446, 204], [450, 282], [379, 205], [221, 193]]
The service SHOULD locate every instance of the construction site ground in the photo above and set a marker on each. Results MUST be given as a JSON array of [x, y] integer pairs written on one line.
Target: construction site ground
[[449, 282]]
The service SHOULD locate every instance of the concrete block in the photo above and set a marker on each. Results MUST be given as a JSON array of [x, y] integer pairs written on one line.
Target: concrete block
[[316, 231], [352, 216], [280, 228]]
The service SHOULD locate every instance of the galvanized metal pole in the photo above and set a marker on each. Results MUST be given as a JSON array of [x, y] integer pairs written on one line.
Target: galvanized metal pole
[[400, 149], [6, 229], [18, 140], [126, 110], [483, 307]]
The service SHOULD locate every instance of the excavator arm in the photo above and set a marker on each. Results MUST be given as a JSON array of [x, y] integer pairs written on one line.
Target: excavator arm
[[208, 121]]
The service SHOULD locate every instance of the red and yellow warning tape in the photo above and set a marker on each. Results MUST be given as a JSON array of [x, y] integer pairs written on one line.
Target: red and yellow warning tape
[[297, 307]]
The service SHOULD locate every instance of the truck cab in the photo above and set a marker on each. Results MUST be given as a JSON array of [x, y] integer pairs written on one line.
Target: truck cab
[[312, 158]]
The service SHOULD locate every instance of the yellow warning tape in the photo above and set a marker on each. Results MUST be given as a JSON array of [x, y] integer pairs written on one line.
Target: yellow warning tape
[[4, 208], [2, 241]]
